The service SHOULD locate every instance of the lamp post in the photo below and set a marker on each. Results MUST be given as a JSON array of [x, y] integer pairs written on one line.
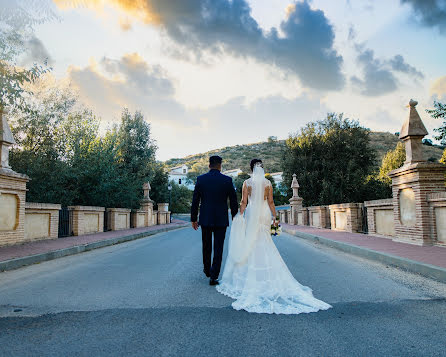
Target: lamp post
[[170, 198]]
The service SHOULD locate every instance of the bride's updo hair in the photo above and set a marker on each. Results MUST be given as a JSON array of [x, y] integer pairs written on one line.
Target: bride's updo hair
[[254, 162]]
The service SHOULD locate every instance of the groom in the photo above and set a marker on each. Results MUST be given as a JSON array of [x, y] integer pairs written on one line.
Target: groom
[[213, 190]]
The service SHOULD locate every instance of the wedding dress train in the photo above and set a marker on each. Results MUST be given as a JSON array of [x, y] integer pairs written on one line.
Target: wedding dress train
[[255, 274]]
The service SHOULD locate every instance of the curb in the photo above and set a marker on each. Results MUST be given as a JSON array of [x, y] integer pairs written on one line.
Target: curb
[[16, 263], [424, 269]]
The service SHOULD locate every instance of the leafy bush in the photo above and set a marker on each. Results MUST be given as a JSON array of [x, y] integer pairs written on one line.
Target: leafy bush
[[393, 160]]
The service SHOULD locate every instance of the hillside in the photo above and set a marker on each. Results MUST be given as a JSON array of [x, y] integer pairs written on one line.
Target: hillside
[[270, 152]]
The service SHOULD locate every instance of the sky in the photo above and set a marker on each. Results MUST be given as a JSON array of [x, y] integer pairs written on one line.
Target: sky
[[213, 73]]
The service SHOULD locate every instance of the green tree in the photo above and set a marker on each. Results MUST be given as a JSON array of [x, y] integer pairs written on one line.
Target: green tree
[[332, 159], [16, 29], [60, 148], [136, 147], [393, 160], [181, 199], [439, 112], [159, 182]]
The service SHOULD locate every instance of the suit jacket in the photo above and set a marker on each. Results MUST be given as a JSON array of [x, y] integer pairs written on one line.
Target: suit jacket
[[212, 191]]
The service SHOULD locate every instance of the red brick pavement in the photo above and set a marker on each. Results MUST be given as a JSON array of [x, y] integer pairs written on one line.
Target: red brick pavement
[[45, 246], [431, 255]]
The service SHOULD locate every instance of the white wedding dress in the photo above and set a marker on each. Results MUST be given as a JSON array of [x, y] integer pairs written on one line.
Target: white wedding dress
[[255, 274]]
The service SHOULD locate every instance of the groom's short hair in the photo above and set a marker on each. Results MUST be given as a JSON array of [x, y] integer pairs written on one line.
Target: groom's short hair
[[215, 161]]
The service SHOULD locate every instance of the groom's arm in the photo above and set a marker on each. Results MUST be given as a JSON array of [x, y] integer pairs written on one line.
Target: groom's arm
[[195, 204], [233, 200]]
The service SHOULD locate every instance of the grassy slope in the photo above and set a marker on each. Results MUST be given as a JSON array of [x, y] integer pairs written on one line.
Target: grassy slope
[[239, 156]]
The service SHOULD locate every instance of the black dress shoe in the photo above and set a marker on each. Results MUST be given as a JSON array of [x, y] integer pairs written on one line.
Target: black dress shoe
[[206, 272], [213, 282]]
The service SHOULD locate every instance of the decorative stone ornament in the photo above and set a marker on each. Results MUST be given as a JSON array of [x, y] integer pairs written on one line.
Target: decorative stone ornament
[[295, 186], [295, 202], [412, 133], [6, 140], [146, 188]]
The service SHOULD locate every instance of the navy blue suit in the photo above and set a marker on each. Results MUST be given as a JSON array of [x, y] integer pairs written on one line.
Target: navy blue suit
[[211, 194]]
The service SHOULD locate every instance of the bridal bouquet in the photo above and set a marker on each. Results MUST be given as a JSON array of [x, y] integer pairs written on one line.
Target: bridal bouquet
[[276, 230]]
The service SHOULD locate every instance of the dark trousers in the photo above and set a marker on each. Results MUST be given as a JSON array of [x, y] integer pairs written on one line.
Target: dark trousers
[[219, 240]]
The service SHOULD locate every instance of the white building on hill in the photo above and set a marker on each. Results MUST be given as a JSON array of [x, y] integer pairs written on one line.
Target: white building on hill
[[178, 174], [277, 177], [232, 173]]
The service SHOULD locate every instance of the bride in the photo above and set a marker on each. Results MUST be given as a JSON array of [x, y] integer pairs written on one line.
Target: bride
[[255, 274]]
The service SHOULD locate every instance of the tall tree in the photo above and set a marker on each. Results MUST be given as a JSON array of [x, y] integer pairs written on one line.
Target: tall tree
[[136, 147], [332, 159]]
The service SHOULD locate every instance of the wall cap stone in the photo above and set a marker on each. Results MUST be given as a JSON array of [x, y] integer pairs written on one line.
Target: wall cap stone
[[42, 206], [139, 210], [10, 173], [418, 166], [86, 208], [122, 210], [317, 208], [345, 205], [383, 202]]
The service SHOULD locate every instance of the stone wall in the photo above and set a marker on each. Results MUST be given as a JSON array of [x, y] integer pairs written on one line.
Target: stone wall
[[140, 218], [302, 217], [12, 207], [346, 217], [380, 218], [437, 209], [118, 218], [41, 221], [319, 216], [284, 215], [155, 218], [163, 217], [87, 219]]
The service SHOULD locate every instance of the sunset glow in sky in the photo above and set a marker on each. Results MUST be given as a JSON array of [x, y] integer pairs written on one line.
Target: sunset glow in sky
[[213, 73]]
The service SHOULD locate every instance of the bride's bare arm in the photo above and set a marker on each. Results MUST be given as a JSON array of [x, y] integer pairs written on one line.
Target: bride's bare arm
[[244, 201], [271, 205]]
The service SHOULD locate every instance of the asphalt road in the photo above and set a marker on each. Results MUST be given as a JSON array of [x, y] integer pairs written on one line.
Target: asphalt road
[[149, 297]]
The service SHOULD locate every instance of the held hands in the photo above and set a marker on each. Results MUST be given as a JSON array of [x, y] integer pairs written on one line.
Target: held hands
[[195, 225]]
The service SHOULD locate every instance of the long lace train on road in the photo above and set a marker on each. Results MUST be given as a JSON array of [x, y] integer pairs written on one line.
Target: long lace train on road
[[255, 274]]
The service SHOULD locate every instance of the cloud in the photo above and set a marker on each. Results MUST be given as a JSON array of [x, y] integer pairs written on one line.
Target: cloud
[[36, 52], [438, 88], [109, 85], [378, 75], [304, 47], [430, 13], [398, 64], [378, 80]]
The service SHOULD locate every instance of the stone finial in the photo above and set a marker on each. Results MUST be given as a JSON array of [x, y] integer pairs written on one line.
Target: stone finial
[[295, 186], [412, 133], [6, 140], [146, 188]]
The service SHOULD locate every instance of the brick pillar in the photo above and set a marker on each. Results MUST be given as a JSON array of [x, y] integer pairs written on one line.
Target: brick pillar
[[412, 183], [12, 191]]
